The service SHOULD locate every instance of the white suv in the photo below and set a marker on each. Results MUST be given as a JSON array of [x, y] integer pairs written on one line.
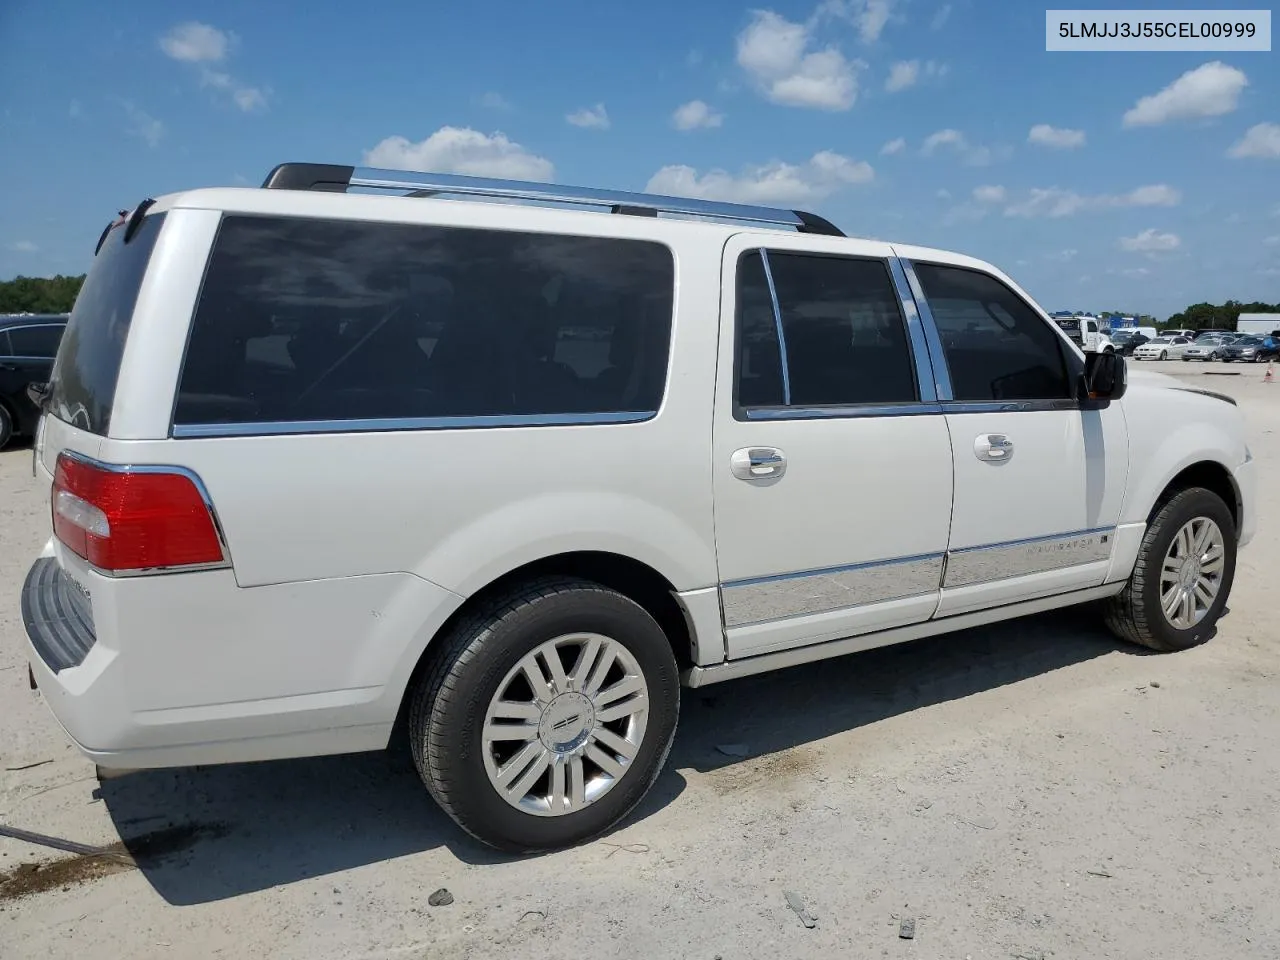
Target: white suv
[[329, 465]]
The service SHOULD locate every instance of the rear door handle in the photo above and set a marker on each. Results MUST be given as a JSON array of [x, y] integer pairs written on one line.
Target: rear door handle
[[993, 447], [758, 463]]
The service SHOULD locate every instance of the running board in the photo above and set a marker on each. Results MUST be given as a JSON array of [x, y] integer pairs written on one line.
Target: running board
[[732, 669]]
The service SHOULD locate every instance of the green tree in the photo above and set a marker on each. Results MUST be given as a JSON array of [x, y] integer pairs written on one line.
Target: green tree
[[39, 294]]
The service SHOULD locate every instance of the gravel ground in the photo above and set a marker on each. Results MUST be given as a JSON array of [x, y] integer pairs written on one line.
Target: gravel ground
[[1034, 789]]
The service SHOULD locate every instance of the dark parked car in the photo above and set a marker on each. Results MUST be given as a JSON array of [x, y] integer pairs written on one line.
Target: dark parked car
[[1256, 349], [28, 344], [1127, 341]]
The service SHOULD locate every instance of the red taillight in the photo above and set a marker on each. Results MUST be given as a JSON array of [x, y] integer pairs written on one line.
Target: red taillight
[[132, 519]]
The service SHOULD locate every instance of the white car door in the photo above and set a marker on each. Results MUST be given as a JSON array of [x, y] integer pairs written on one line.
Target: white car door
[[1038, 479], [832, 462]]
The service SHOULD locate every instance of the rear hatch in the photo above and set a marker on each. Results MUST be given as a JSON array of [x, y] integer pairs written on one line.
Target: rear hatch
[[56, 599]]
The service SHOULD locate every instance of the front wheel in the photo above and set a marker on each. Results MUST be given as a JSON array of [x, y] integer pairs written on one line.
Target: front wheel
[[1181, 581], [6, 427], [1164, 354], [548, 715]]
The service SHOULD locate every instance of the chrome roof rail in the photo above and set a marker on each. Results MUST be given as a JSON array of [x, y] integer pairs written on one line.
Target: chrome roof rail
[[337, 178]]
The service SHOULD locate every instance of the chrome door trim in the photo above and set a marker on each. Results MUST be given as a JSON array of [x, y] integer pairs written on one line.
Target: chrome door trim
[[764, 663], [806, 592], [267, 428], [938, 359], [1009, 406], [842, 412], [777, 321], [988, 563], [925, 375]]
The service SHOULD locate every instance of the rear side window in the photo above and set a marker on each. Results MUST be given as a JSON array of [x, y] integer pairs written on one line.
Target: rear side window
[[843, 335], [997, 347], [88, 365], [39, 341], [318, 320]]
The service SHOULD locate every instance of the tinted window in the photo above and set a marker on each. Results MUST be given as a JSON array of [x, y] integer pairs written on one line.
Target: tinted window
[[335, 320], [88, 364], [35, 341], [996, 346], [843, 331]]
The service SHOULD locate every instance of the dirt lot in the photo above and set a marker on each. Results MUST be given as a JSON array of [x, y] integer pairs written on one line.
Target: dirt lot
[[1031, 790]]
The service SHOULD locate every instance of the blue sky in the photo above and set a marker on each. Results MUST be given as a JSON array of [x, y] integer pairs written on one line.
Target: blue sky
[[1137, 181]]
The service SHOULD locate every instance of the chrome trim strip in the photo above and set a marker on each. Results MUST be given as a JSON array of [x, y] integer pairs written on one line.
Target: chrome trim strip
[[185, 431], [733, 669], [843, 412], [1008, 406], [777, 320], [915, 330], [554, 193], [1017, 558], [160, 468], [937, 358], [806, 592]]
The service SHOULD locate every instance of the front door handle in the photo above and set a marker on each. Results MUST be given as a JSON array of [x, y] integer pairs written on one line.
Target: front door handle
[[758, 463], [993, 448]]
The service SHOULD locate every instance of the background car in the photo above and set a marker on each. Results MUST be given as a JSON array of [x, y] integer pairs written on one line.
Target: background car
[[1161, 348], [1204, 348], [1189, 334], [1126, 341], [28, 344], [1255, 349]]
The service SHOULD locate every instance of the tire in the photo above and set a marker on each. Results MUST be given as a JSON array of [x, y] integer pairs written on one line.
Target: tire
[[480, 663], [1136, 614], [1164, 354], [6, 426]]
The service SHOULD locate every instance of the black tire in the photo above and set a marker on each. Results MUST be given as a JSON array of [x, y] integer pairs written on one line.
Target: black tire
[[1135, 614], [1164, 354], [6, 426], [448, 708]]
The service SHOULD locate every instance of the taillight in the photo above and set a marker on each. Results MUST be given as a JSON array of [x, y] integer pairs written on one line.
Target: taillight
[[135, 518]]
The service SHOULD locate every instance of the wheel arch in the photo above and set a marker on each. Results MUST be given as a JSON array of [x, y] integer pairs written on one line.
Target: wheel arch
[[632, 578], [1209, 474]]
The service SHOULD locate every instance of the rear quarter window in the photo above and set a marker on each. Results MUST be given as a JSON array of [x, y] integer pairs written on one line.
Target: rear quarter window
[[306, 321], [88, 364]]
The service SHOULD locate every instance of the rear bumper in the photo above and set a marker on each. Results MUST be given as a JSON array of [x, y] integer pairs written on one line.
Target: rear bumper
[[191, 669]]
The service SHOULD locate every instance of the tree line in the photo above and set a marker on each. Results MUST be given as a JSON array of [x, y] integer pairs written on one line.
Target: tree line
[[39, 294], [1208, 316]]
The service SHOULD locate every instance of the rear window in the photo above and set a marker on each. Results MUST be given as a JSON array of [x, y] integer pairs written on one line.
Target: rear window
[[88, 365], [306, 321], [35, 341]]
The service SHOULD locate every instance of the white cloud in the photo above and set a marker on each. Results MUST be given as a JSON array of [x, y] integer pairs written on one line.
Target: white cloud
[[872, 19], [775, 53], [943, 194], [1059, 138], [74, 110], [907, 73], [1151, 241], [462, 150], [492, 100], [941, 17], [973, 154], [696, 115], [1209, 90], [202, 44], [1054, 202], [142, 124], [1261, 140], [194, 42], [23, 246], [590, 118], [989, 194], [1272, 241], [897, 145], [1063, 256], [1135, 272], [776, 182]]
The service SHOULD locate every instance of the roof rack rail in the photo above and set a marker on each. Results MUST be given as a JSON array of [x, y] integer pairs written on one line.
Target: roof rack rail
[[337, 178]]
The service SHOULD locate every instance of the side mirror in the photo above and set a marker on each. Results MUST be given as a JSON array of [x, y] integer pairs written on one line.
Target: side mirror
[[1105, 377]]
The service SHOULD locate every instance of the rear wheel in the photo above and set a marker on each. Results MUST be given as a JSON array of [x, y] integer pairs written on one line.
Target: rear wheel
[[6, 426], [547, 716], [1180, 584]]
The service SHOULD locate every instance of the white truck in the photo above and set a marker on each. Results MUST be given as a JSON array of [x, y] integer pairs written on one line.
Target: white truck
[[330, 470], [1258, 324], [1086, 333]]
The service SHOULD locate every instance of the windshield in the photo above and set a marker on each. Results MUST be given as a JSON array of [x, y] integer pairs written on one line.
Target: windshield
[[1249, 342]]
